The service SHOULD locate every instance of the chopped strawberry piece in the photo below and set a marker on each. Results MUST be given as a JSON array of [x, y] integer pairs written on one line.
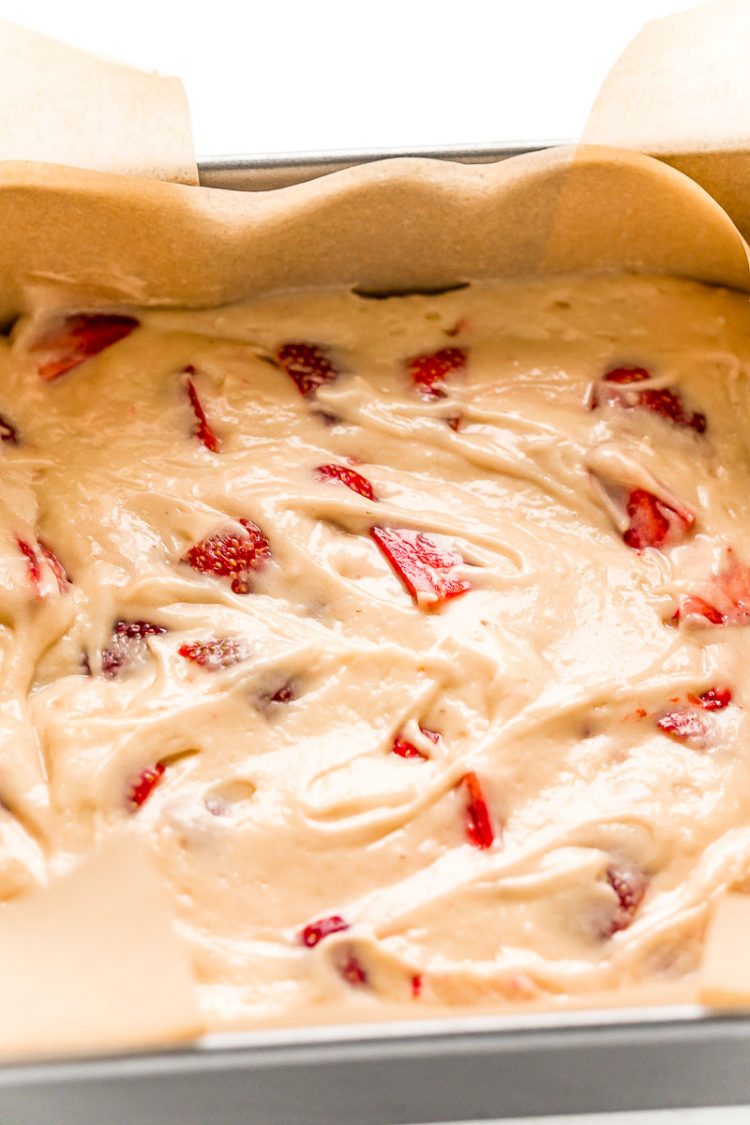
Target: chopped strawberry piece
[[314, 932], [731, 590], [727, 600], [128, 645], [662, 401], [642, 508], [668, 405], [353, 972], [202, 430], [649, 523], [231, 554], [215, 653], [308, 365], [684, 725], [145, 783], [78, 338], [712, 699], [424, 567], [416, 986], [405, 749], [285, 694], [652, 521], [625, 375], [8, 431], [479, 830], [630, 888], [57, 568], [429, 372], [36, 556], [33, 567], [353, 480], [137, 630], [698, 607]]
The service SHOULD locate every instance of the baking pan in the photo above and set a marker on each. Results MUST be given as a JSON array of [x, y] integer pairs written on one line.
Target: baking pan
[[381, 1074]]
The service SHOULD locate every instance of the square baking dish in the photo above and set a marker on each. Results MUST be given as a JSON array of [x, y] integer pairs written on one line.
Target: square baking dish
[[443, 1069]]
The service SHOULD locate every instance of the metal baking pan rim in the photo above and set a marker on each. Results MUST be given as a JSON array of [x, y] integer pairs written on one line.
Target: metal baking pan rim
[[431, 1031], [267, 171], [382, 1074], [436, 1027]]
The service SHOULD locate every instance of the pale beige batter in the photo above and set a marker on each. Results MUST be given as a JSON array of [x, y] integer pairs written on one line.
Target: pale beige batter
[[579, 789]]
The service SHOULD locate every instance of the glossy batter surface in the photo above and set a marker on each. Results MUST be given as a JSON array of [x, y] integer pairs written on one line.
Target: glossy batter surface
[[410, 632]]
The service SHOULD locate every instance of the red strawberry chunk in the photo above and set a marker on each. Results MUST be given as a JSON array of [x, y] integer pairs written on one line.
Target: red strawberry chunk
[[630, 888], [78, 338], [285, 694], [353, 480], [138, 630], [694, 606], [308, 365], [57, 568], [684, 725], [36, 556], [416, 986], [713, 698], [353, 971], [314, 932], [231, 554], [649, 522], [405, 749], [33, 567], [202, 430], [128, 645], [731, 591], [8, 432], [625, 375], [662, 401], [727, 596], [479, 830], [429, 372], [145, 783], [425, 568], [652, 521], [214, 653], [667, 404]]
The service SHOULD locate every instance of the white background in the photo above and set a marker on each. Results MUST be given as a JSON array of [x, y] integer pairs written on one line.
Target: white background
[[283, 76]]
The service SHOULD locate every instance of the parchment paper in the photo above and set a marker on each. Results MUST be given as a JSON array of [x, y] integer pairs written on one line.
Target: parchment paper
[[681, 91], [92, 962], [397, 225], [65, 106], [410, 223]]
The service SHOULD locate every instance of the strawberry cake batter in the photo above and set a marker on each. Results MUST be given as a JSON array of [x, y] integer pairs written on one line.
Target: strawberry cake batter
[[410, 632]]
